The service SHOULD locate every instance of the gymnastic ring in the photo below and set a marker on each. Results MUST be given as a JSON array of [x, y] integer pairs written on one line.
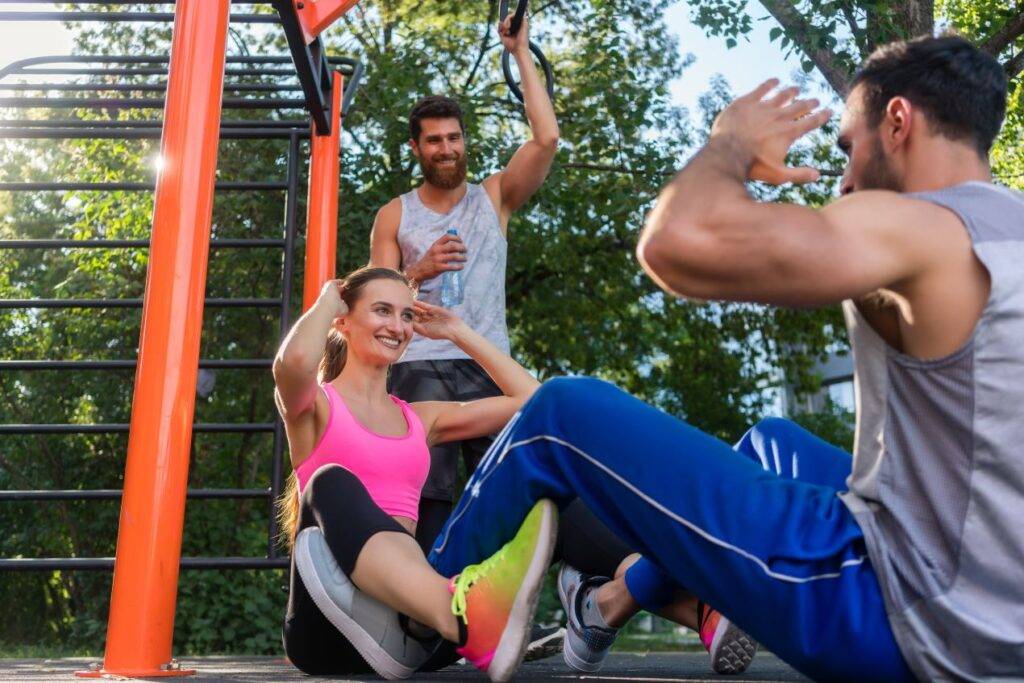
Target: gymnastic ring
[[506, 61]]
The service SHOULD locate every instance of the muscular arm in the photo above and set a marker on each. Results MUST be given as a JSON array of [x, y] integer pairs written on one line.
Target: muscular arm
[[384, 250], [296, 362], [707, 238], [530, 164]]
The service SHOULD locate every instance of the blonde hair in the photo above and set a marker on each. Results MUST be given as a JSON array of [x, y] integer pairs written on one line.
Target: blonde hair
[[331, 365]]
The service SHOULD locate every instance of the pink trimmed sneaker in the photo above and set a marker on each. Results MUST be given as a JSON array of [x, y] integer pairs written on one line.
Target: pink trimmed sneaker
[[731, 649]]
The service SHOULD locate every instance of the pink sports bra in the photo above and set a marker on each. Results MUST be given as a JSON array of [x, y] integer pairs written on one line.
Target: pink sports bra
[[392, 468]]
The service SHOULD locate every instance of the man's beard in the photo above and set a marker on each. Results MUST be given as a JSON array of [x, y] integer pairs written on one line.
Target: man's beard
[[879, 174], [445, 177]]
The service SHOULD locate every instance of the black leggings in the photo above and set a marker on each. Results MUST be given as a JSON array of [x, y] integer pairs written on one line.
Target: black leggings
[[586, 543], [337, 502]]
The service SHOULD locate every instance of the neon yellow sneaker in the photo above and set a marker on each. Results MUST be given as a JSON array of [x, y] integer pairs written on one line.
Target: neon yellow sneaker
[[496, 599]]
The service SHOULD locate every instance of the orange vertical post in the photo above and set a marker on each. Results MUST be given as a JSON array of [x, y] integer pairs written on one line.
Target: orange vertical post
[[322, 203], [141, 621]]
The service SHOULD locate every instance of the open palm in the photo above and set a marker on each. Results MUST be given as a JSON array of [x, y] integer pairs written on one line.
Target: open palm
[[435, 322]]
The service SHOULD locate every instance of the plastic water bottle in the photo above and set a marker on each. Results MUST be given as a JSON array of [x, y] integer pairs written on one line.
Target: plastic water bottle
[[451, 284]]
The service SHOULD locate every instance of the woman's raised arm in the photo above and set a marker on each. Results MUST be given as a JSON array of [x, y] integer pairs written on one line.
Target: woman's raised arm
[[454, 421], [296, 362]]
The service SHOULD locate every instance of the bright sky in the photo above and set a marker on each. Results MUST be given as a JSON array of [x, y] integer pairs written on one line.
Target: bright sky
[[21, 39], [743, 66]]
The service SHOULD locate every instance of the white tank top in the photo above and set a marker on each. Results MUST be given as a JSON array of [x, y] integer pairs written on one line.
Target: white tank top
[[483, 274]]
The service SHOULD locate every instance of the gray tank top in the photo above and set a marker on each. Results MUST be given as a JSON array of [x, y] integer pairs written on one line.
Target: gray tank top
[[938, 472], [483, 274]]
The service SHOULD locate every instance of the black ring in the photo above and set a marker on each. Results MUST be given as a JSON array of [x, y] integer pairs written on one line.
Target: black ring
[[549, 78], [506, 62], [517, 19]]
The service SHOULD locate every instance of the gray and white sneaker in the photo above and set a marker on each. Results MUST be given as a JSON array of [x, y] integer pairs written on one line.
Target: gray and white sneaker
[[372, 627], [585, 646]]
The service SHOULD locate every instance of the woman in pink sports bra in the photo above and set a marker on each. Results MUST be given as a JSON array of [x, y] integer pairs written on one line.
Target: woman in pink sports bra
[[360, 457]]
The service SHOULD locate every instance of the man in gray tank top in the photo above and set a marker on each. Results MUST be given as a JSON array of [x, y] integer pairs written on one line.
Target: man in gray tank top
[[926, 255], [903, 561], [409, 233]]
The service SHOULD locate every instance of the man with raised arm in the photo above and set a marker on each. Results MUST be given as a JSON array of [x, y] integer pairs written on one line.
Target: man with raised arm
[[903, 561], [409, 233]]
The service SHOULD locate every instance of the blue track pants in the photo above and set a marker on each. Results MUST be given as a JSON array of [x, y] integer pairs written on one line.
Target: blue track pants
[[757, 531]]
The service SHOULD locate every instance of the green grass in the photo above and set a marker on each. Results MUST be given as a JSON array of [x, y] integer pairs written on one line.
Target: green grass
[[663, 641], [50, 651]]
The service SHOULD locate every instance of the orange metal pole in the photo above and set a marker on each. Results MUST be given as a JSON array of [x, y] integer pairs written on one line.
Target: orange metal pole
[[322, 204], [141, 623], [317, 15]]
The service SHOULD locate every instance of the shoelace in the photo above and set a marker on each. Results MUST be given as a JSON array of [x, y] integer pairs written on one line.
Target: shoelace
[[461, 585]]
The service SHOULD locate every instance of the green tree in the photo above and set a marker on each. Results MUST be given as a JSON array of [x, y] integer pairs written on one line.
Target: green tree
[[831, 37]]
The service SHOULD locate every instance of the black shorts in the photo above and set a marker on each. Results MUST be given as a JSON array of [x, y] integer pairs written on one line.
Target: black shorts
[[445, 380]]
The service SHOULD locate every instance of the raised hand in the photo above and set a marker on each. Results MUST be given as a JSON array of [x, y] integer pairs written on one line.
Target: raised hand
[[765, 129], [520, 42], [435, 322], [447, 253], [330, 296]]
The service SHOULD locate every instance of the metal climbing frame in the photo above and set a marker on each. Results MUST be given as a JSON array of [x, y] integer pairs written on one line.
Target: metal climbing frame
[[152, 503]]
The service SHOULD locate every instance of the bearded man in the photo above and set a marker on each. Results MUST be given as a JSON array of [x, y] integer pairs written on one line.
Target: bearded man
[[410, 234]]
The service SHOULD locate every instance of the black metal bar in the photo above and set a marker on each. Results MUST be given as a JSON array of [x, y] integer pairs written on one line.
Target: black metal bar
[[122, 428], [291, 206], [151, 71], [135, 17], [107, 563], [115, 494], [20, 66], [132, 244], [308, 67], [129, 303], [138, 103], [25, 66], [68, 365], [135, 133], [226, 124], [113, 2], [139, 87], [160, 59], [352, 83], [129, 187]]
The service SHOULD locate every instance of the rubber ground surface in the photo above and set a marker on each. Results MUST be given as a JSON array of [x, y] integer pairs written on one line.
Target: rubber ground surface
[[653, 668]]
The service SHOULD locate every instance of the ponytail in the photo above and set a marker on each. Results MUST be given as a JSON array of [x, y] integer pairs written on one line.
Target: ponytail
[[288, 511], [333, 360]]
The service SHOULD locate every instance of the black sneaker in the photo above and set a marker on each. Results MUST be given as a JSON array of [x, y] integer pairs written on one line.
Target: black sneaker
[[545, 641]]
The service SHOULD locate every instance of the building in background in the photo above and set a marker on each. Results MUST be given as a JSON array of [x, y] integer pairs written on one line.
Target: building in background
[[836, 385]]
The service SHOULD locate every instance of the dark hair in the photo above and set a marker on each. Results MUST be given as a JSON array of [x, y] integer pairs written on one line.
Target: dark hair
[[331, 365], [960, 88], [434, 107], [335, 352]]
